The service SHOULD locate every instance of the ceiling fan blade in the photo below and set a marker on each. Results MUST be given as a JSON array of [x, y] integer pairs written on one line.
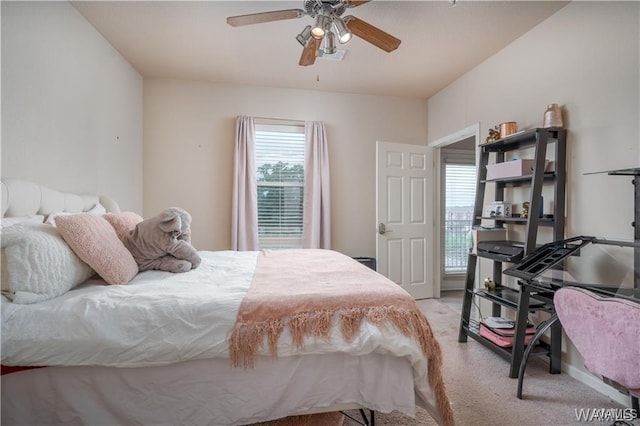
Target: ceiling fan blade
[[310, 52], [355, 3], [373, 35], [259, 18]]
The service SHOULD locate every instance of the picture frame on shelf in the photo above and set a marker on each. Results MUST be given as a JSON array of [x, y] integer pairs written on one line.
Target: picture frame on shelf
[[497, 209]]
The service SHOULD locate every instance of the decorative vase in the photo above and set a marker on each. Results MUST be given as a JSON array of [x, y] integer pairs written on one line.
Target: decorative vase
[[552, 116], [507, 128]]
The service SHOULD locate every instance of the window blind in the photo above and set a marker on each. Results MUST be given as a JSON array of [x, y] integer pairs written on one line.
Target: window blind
[[460, 190], [460, 185], [280, 184]]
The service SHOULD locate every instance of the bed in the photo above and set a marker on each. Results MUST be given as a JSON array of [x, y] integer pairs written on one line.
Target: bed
[[246, 337]]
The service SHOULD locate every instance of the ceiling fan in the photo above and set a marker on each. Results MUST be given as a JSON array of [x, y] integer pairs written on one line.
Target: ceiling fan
[[320, 38]]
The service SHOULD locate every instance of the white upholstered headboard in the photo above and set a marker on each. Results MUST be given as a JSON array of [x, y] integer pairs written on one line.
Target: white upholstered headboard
[[24, 198]]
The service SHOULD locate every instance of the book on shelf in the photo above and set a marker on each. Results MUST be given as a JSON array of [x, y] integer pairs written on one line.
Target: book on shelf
[[504, 336]]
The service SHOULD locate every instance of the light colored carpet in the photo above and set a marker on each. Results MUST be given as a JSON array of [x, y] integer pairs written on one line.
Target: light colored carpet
[[482, 393]]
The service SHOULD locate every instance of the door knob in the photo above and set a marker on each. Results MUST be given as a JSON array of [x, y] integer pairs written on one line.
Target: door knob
[[382, 229]]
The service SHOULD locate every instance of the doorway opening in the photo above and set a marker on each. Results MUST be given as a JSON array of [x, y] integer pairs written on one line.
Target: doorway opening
[[454, 154]]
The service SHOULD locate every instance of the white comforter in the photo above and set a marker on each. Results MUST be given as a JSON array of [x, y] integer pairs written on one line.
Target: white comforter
[[162, 318], [159, 318]]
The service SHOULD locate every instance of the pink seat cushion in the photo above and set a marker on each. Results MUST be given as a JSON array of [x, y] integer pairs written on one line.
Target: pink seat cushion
[[606, 332]]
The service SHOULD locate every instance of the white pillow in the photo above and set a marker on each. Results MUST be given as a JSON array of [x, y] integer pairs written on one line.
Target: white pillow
[[5, 223], [10, 221], [39, 263], [98, 209]]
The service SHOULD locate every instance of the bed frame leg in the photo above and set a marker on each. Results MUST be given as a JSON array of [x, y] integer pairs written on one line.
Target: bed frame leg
[[366, 421]]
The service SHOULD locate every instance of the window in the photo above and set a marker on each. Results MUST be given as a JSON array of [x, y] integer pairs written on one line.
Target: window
[[280, 180], [459, 197]]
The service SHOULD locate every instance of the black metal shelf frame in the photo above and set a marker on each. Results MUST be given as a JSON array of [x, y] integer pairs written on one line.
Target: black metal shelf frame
[[520, 302]]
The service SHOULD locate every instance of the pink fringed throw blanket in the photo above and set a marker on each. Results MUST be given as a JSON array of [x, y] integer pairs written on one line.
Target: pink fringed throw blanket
[[305, 290]]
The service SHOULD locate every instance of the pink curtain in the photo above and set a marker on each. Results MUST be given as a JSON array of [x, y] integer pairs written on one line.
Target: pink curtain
[[316, 224], [244, 216]]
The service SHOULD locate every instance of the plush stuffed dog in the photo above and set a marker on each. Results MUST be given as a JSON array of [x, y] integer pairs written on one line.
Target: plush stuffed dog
[[163, 242]]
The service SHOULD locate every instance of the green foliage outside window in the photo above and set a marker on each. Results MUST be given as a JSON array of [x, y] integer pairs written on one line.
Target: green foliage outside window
[[280, 198]]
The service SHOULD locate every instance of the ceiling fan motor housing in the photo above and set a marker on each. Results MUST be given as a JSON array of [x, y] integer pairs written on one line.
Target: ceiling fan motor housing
[[315, 7]]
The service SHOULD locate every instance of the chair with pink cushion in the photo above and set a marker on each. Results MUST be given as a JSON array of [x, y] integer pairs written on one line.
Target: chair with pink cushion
[[606, 332]]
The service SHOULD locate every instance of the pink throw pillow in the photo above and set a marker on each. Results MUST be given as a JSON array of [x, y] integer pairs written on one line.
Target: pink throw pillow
[[95, 242], [123, 222]]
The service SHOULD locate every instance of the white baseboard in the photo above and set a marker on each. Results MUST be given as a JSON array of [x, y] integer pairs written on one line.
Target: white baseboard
[[445, 287], [597, 384]]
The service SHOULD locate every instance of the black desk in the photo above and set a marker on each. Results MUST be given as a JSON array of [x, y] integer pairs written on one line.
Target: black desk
[[635, 172], [603, 266]]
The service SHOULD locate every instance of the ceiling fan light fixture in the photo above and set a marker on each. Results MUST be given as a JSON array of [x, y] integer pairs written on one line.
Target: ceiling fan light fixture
[[329, 43], [318, 30], [344, 35], [304, 36]]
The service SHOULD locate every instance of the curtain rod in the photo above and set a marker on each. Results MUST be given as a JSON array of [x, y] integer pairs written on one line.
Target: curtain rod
[[280, 120]]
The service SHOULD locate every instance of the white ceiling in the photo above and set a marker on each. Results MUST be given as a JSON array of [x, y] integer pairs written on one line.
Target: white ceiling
[[191, 40]]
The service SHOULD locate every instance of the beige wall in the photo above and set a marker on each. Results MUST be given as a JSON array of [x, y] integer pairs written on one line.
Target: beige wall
[[587, 57], [71, 105], [188, 151]]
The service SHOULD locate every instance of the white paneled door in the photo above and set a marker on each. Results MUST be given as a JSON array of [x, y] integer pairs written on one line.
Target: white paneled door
[[404, 243]]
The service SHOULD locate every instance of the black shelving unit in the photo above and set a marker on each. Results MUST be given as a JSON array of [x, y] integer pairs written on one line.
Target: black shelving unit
[[521, 300]]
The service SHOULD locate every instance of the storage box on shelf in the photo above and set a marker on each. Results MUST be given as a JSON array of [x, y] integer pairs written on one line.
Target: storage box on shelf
[[514, 168]]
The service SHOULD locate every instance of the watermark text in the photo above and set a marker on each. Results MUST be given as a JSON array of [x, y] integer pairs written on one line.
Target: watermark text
[[590, 415]]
